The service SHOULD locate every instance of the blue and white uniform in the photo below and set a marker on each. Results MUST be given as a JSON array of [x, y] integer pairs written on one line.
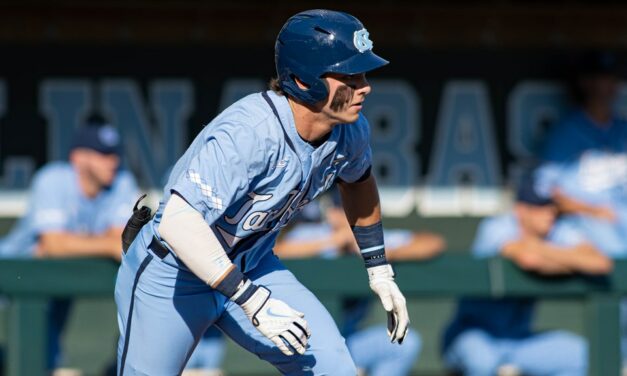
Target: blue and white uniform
[[56, 203], [247, 173], [488, 333], [588, 162]]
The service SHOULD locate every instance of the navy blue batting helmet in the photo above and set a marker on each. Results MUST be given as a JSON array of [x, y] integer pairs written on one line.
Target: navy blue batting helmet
[[316, 42]]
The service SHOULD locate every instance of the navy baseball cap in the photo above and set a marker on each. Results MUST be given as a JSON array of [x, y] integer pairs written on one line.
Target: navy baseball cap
[[103, 138], [527, 193]]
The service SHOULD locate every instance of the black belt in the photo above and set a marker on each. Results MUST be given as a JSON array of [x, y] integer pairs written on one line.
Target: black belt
[[158, 248]]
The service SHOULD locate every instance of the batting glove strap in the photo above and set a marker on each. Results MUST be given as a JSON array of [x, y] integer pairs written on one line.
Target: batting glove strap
[[245, 291], [255, 300], [394, 303], [277, 321]]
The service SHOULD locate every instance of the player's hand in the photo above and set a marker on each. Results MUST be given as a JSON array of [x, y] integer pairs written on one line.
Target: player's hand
[[277, 321], [382, 283]]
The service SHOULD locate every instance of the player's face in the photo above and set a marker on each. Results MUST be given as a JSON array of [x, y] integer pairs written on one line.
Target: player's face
[[538, 219], [101, 168], [346, 96]]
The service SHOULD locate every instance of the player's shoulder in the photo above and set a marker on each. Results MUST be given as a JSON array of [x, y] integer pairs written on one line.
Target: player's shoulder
[[248, 120], [499, 224], [53, 174], [250, 112], [493, 233], [567, 231], [125, 181]]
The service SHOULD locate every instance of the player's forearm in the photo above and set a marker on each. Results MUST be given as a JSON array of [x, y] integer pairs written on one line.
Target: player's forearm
[[582, 258], [298, 249], [421, 247], [528, 256], [193, 241], [65, 244], [187, 233], [363, 212], [569, 205], [361, 202]]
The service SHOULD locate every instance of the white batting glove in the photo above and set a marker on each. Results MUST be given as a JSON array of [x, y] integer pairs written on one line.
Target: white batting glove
[[382, 283], [277, 321]]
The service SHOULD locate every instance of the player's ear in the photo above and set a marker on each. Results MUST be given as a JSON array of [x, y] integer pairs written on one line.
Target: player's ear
[[300, 83]]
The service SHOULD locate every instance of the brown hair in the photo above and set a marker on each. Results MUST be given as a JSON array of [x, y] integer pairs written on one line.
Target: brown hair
[[275, 85]]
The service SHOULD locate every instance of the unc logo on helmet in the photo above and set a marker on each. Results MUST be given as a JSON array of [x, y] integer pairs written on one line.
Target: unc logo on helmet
[[320, 41], [361, 41]]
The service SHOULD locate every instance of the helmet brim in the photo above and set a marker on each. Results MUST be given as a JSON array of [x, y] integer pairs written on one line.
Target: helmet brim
[[361, 63]]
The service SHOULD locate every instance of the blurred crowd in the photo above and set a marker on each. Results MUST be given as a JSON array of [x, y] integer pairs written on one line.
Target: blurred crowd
[[569, 216]]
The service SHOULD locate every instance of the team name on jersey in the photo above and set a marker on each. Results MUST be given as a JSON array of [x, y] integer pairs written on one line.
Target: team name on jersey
[[264, 220]]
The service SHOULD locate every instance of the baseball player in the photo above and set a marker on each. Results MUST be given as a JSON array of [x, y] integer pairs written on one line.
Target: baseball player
[[584, 165], [585, 162], [76, 208], [206, 256], [490, 335]]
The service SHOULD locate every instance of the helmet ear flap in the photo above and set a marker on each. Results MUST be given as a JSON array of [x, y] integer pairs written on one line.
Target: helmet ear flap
[[315, 88]]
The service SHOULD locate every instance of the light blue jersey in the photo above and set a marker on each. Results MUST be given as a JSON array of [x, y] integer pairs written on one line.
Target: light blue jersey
[[248, 174], [511, 317], [486, 334], [495, 232], [57, 204], [588, 162], [597, 177]]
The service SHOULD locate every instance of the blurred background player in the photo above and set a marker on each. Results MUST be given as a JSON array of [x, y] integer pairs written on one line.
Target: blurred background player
[[584, 166], [488, 336], [77, 208], [324, 231], [584, 159]]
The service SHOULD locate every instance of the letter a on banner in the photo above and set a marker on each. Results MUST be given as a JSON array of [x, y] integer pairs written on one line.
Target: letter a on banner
[[464, 173]]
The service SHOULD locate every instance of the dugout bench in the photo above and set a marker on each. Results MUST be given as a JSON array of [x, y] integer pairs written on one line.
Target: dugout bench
[[31, 283]]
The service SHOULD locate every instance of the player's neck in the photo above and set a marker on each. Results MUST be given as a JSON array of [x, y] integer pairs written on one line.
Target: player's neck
[[312, 126]]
